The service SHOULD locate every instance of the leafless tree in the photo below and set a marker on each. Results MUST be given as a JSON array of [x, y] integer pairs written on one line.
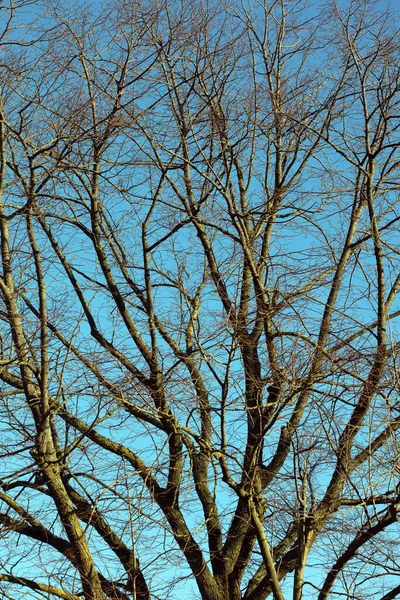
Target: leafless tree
[[199, 232]]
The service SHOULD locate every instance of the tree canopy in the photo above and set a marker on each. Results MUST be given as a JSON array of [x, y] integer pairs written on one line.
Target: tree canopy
[[199, 277]]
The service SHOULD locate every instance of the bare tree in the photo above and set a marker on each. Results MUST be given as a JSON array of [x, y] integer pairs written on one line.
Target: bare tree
[[199, 299]]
